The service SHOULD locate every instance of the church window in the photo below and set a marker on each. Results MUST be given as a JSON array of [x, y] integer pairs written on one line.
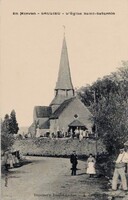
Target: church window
[[76, 116]]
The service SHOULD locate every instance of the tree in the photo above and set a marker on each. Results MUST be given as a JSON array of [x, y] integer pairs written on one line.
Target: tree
[[9, 127], [107, 99], [13, 123], [7, 138], [5, 125]]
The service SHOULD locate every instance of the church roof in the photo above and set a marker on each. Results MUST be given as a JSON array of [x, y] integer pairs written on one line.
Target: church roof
[[64, 77], [59, 99], [60, 109], [76, 122], [31, 127], [45, 125], [43, 111]]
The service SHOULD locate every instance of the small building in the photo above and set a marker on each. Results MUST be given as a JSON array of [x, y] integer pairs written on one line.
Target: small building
[[66, 111]]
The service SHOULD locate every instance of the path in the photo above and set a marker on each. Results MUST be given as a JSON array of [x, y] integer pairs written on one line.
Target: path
[[50, 178]]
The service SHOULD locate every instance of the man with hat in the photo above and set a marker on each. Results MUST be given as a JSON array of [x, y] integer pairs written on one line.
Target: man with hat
[[120, 170], [73, 160]]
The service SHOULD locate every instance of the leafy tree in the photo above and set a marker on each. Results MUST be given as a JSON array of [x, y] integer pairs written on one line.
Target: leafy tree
[[107, 99]]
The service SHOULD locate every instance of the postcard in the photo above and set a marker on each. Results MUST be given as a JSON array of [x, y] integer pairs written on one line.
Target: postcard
[[64, 83]]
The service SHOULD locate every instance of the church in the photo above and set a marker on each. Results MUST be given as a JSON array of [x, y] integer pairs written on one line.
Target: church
[[66, 112]]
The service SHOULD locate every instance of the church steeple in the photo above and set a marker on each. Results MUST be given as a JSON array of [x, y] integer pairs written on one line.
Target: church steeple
[[64, 81], [64, 88]]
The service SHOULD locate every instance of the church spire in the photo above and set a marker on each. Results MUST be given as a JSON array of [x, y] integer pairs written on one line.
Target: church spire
[[64, 88], [64, 81]]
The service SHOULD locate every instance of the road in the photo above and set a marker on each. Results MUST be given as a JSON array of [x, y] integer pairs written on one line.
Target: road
[[50, 178]]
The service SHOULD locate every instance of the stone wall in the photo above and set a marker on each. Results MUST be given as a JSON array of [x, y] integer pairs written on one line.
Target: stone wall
[[57, 147]]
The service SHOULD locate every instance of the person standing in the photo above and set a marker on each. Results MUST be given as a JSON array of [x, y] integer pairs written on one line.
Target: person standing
[[74, 162], [10, 160], [81, 135], [84, 134], [91, 166], [6, 179], [71, 133], [37, 131], [77, 132], [120, 170], [6, 159]]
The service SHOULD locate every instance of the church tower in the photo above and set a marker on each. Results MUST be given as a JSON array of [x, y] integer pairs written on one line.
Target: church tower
[[64, 88]]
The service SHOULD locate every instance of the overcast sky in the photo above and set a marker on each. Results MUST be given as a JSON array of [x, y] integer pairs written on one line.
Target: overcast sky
[[31, 47]]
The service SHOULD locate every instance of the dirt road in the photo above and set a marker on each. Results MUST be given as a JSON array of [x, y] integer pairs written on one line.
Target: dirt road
[[50, 178]]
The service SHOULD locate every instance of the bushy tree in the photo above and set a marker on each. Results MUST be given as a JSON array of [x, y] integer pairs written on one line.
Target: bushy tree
[[7, 138], [107, 99], [5, 125], [9, 127]]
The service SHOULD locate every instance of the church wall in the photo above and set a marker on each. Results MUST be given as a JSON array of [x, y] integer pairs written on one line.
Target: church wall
[[34, 115], [61, 92], [66, 93], [32, 130], [75, 107], [70, 93], [54, 125]]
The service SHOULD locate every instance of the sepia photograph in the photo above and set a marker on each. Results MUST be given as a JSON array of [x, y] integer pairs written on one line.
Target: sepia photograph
[[64, 99]]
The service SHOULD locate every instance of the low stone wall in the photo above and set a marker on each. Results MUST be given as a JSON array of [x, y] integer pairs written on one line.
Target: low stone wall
[[57, 147]]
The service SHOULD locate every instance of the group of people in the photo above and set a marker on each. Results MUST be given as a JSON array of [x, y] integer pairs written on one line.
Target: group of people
[[119, 171], [79, 133], [11, 159], [90, 164]]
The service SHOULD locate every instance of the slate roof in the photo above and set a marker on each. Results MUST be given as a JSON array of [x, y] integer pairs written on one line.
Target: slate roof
[[45, 125], [60, 109], [76, 123], [43, 111], [31, 126], [58, 100]]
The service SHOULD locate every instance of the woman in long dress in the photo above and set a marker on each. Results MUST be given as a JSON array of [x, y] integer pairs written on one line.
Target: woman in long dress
[[91, 165], [81, 135], [37, 132]]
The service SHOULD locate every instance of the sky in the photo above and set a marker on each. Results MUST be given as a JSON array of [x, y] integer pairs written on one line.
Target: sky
[[31, 47]]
